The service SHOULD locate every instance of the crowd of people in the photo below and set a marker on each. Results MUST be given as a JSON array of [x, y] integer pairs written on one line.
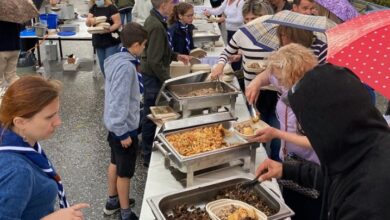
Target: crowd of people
[[328, 141]]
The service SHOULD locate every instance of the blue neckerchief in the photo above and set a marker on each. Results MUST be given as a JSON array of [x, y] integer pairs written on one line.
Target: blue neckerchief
[[184, 27], [136, 63], [11, 142]]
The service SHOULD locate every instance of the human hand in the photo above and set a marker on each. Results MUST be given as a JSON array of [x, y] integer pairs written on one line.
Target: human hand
[[252, 91], [264, 135], [218, 70], [126, 142], [269, 169], [221, 19], [71, 213], [206, 13], [235, 58], [184, 58]]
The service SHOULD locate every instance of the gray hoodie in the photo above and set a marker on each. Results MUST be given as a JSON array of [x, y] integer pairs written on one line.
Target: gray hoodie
[[122, 95]]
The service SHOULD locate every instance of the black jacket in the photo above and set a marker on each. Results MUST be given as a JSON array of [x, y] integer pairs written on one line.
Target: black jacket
[[351, 139], [157, 55], [9, 36]]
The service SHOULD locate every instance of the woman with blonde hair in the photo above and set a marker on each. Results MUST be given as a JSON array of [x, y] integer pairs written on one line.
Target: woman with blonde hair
[[29, 184], [108, 43], [285, 68]]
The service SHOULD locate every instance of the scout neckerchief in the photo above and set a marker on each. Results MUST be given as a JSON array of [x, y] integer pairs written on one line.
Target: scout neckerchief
[[164, 19], [38, 157], [184, 27], [137, 64]]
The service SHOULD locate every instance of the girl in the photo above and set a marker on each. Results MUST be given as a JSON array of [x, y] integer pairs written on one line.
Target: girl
[[181, 27]]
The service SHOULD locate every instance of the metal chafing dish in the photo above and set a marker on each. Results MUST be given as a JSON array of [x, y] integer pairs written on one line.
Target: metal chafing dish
[[205, 36], [173, 90], [200, 195], [238, 149]]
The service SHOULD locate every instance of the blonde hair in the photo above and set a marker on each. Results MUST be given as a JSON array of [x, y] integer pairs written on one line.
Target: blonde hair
[[294, 60]]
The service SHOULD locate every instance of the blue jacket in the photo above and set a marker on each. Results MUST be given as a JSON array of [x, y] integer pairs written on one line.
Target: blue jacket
[[122, 95], [26, 192], [178, 38]]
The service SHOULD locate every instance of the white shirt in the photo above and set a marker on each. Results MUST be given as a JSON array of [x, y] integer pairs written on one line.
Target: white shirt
[[233, 13], [141, 11]]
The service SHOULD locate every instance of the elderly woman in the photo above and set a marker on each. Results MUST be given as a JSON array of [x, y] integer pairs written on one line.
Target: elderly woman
[[285, 68], [29, 184]]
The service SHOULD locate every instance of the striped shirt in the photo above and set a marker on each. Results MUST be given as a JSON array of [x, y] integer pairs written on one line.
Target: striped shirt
[[250, 52], [320, 49]]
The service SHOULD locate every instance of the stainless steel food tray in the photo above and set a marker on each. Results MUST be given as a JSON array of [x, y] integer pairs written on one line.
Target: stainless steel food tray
[[205, 36], [200, 195], [240, 149]]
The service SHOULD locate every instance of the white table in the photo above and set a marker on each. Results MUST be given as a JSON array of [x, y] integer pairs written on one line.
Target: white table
[[81, 35]]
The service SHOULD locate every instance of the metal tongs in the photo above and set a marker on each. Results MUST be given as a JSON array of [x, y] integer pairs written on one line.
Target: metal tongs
[[219, 87], [253, 113], [249, 183]]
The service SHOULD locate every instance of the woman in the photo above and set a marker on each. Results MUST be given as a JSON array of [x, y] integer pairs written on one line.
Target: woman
[[233, 19], [108, 43], [181, 27], [249, 51], [285, 68], [29, 183]]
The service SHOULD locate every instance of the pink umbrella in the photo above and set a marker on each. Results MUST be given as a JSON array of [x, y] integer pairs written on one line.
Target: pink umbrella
[[341, 8], [362, 44]]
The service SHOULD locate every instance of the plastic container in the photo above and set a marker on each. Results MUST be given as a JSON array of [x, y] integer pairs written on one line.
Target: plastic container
[[215, 208], [50, 19], [40, 29]]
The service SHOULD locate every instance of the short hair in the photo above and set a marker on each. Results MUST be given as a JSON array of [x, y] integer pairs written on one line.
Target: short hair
[[296, 35], [257, 8], [298, 2], [157, 3], [294, 60], [133, 33]]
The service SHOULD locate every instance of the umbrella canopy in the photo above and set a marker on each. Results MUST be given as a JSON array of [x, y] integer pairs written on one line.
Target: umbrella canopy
[[263, 34], [17, 11], [302, 21], [362, 44], [341, 8]]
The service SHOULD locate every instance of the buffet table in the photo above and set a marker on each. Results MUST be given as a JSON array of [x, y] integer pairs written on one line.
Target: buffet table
[[161, 181]]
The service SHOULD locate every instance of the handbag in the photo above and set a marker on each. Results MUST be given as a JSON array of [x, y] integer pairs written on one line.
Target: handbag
[[26, 59]]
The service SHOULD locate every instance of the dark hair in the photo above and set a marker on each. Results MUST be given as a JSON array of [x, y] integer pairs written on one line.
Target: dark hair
[[133, 33], [257, 8], [298, 2], [179, 9], [296, 35], [26, 97]]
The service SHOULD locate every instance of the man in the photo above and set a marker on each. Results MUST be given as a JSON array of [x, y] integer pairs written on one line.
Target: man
[[155, 62], [307, 7]]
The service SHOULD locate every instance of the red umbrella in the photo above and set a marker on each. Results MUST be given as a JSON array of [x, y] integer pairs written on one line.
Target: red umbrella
[[362, 44]]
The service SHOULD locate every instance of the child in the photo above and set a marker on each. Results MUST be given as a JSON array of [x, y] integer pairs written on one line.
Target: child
[[121, 117], [181, 27]]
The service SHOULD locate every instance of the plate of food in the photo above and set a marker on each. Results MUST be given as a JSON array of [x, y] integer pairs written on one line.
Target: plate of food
[[255, 66], [229, 209], [198, 53], [247, 129]]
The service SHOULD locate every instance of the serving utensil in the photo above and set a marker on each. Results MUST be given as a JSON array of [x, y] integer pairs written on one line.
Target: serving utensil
[[249, 183], [218, 86]]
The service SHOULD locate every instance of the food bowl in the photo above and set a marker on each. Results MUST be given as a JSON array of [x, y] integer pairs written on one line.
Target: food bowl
[[222, 209], [247, 129], [255, 66]]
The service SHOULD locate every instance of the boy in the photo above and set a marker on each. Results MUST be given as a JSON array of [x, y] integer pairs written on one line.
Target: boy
[[121, 117]]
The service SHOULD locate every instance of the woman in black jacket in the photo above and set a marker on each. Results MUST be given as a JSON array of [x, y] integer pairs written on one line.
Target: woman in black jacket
[[351, 139]]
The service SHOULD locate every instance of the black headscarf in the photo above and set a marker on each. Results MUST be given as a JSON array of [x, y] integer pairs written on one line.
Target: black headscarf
[[336, 113]]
